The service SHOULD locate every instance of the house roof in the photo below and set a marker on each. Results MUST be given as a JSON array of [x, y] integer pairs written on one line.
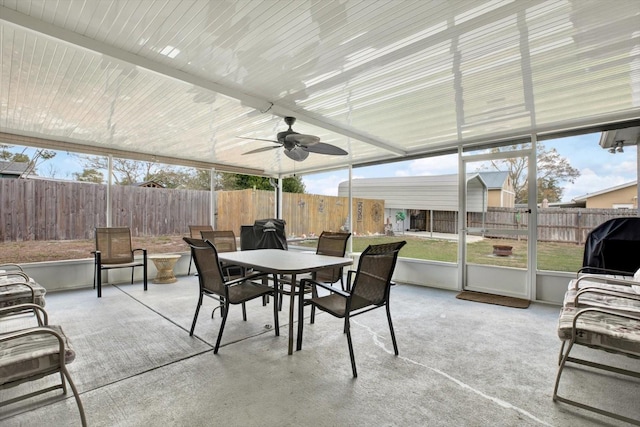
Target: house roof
[[13, 168], [495, 179], [181, 81], [606, 190]]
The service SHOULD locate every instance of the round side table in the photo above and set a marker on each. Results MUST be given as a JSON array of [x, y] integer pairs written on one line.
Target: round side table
[[164, 264]]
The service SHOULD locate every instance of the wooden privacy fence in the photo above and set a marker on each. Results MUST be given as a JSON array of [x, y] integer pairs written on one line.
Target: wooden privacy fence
[[305, 214], [60, 210], [64, 210], [570, 225]]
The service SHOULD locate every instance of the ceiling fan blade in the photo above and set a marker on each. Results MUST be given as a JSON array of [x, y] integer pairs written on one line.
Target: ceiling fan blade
[[258, 139], [301, 139], [323, 148], [260, 150], [297, 154]]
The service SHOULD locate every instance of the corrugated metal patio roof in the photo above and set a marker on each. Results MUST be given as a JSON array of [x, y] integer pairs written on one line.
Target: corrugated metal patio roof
[[180, 81]]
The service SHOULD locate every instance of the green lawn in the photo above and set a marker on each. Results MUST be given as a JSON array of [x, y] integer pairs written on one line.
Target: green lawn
[[551, 256]]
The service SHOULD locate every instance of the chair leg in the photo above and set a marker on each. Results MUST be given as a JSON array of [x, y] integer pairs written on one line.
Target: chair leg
[[561, 352], [99, 281], [132, 271], [63, 382], [83, 419], [190, 261], [195, 316], [276, 320], [224, 320], [393, 335], [144, 273], [314, 294], [353, 359], [244, 312]]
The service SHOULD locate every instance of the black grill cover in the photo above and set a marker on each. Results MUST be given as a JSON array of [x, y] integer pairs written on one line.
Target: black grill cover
[[270, 234], [264, 234], [614, 245]]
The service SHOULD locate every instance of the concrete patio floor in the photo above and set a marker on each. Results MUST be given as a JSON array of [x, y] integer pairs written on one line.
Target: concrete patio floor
[[461, 363]]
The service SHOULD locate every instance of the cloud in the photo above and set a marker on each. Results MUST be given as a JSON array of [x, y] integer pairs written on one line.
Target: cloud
[[326, 184], [441, 165], [591, 181]]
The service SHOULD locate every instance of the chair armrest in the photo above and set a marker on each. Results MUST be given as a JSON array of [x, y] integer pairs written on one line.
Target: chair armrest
[[603, 279], [602, 270], [325, 286], [37, 331], [28, 306], [244, 279], [11, 265], [608, 292], [623, 315], [144, 251], [350, 274], [14, 273], [18, 283]]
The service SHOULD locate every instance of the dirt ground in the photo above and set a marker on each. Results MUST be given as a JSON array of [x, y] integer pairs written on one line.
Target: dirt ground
[[38, 251]]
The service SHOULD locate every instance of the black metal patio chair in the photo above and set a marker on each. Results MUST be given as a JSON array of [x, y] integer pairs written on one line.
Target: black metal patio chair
[[115, 250], [213, 284], [369, 289]]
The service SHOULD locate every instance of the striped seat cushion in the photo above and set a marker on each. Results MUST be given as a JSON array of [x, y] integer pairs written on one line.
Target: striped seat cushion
[[601, 330], [32, 356], [14, 293], [595, 299]]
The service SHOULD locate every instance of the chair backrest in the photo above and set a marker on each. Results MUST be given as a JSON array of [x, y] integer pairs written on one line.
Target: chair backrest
[[248, 240], [223, 240], [332, 244], [205, 257], [195, 230], [373, 277], [114, 244]]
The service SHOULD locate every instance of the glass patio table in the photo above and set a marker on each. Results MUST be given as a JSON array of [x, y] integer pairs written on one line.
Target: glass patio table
[[277, 262]]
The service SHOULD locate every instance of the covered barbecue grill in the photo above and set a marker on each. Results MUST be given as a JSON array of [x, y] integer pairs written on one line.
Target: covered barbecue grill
[[613, 245]]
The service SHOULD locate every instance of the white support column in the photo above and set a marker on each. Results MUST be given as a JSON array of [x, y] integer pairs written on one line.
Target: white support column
[[532, 226], [213, 203], [350, 242], [109, 184], [279, 199], [462, 226]]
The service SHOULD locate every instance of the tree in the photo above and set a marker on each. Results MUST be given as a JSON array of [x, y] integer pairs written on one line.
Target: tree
[[126, 172], [552, 170], [41, 155], [8, 156], [241, 182], [89, 175]]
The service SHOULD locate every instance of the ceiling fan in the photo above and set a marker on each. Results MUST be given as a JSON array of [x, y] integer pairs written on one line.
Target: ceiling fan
[[297, 146]]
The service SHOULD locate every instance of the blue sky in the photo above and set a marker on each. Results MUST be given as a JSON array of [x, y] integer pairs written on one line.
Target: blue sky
[[599, 169]]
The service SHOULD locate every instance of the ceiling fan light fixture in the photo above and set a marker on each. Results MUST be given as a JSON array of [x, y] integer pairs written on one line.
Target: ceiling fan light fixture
[[297, 146]]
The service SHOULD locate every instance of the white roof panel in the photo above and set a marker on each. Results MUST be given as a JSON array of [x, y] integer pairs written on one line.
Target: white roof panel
[[180, 81]]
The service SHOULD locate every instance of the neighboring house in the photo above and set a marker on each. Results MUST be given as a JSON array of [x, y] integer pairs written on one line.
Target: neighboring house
[[500, 188], [13, 169], [623, 196], [423, 199], [149, 184]]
